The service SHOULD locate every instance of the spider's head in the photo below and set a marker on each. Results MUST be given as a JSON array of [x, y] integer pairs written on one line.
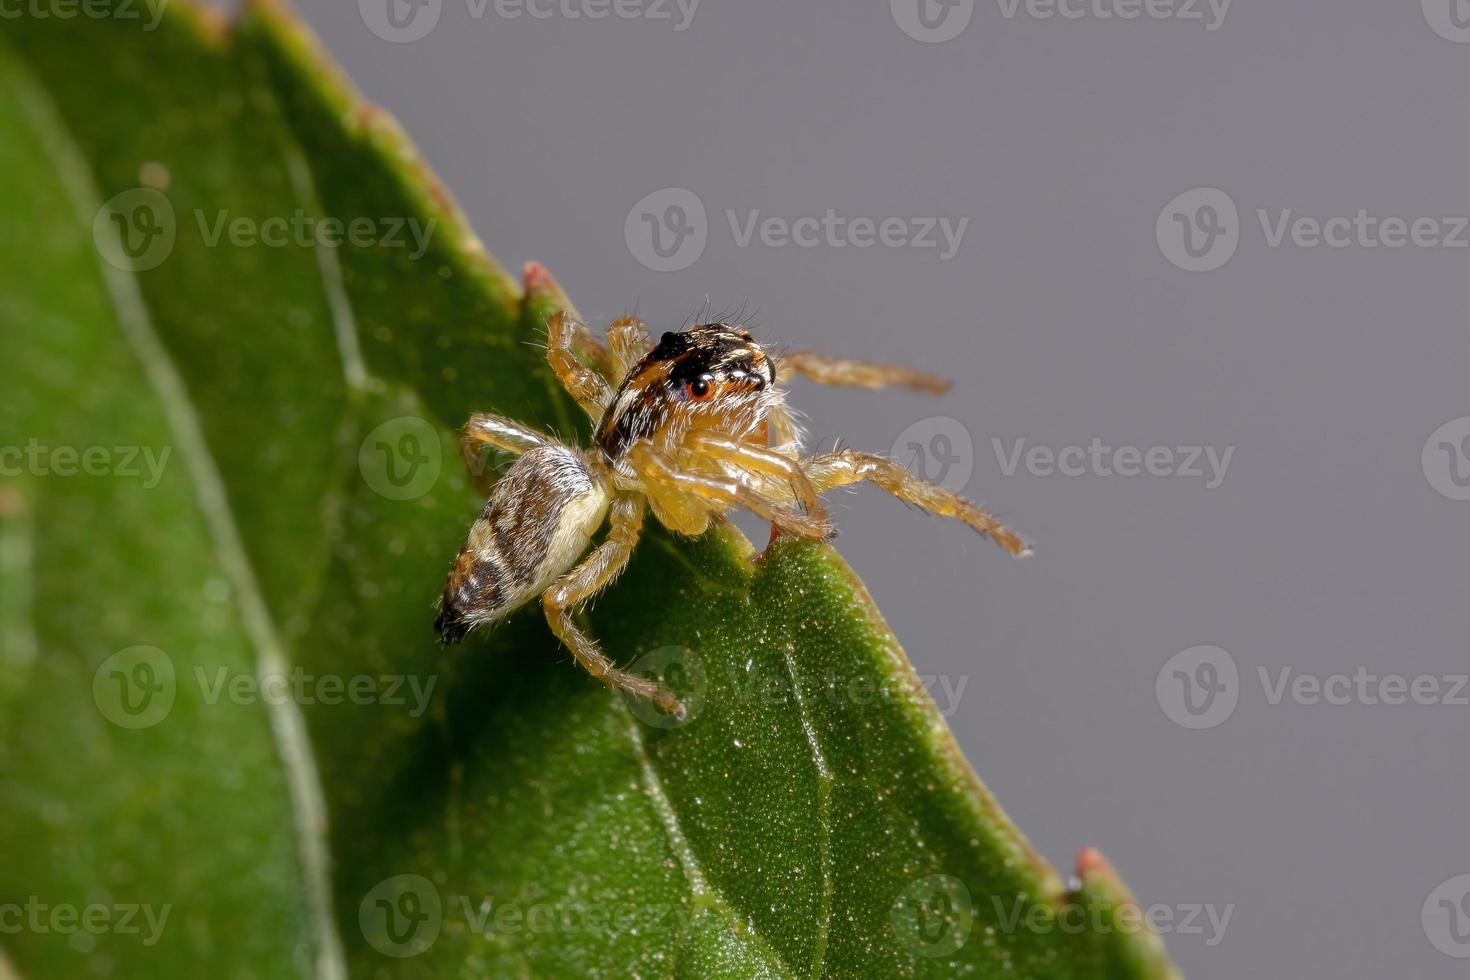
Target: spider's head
[[711, 376]]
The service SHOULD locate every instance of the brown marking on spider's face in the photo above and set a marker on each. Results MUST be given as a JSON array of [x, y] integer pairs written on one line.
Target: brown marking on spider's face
[[711, 376]]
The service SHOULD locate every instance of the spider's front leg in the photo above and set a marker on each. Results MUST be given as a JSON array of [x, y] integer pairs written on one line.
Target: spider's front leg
[[762, 461], [846, 467], [687, 500], [566, 338], [596, 572], [497, 433]]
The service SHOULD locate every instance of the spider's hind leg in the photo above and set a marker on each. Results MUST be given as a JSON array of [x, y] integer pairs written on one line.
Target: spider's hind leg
[[497, 433]]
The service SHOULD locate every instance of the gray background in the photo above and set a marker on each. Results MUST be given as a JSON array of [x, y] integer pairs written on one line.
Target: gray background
[[1326, 548]]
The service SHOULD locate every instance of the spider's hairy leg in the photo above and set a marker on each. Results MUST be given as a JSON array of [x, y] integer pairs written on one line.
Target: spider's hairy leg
[[863, 374], [686, 501], [498, 433], [846, 467], [566, 337], [625, 520], [764, 462], [629, 341]]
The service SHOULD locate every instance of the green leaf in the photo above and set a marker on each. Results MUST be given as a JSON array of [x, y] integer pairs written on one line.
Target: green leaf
[[485, 811]]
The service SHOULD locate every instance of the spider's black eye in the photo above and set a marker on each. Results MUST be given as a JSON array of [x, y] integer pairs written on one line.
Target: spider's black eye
[[698, 389]]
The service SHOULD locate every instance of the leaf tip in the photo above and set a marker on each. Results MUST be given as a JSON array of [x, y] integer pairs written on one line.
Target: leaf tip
[[1090, 863], [540, 287]]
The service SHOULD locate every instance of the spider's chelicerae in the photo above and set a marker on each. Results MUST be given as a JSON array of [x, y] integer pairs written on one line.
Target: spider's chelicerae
[[688, 428]]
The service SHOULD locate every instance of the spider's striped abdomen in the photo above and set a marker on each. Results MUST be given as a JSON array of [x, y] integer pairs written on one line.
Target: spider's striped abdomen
[[538, 521]]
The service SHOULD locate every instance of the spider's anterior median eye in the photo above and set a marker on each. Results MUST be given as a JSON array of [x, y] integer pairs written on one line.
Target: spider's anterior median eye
[[698, 390]]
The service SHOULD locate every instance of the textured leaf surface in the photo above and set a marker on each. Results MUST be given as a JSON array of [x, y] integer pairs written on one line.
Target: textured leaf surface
[[527, 823]]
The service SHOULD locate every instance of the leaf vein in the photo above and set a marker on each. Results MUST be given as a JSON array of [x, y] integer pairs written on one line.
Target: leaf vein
[[679, 844], [287, 723], [824, 815]]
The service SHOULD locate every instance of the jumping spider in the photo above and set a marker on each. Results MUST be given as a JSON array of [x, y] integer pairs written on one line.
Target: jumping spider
[[694, 427]]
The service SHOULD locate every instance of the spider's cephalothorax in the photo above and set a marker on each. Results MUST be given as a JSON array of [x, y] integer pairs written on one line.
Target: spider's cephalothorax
[[712, 377], [689, 428]]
